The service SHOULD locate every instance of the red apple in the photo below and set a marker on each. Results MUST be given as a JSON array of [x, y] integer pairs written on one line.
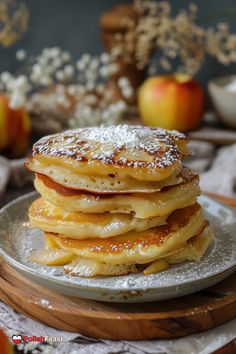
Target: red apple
[[15, 127], [5, 346], [171, 102]]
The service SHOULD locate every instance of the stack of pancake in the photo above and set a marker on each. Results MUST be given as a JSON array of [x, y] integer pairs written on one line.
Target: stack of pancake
[[116, 200]]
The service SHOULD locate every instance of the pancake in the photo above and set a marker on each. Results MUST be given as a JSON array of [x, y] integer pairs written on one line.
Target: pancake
[[48, 217], [193, 250], [139, 247], [102, 185], [143, 205], [116, 200], [110, 159]]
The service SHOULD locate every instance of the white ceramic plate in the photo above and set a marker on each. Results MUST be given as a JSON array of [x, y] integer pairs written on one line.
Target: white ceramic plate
[[17, 242]]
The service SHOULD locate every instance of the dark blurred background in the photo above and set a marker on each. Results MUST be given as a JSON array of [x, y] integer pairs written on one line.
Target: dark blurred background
[[74, 26]]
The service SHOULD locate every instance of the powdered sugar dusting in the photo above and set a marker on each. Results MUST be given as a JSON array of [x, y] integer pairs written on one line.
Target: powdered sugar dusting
[[133, 137], [119, 144]]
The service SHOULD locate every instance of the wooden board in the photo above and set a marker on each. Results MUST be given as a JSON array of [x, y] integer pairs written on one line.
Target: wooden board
[[231, 202], [163, 319]]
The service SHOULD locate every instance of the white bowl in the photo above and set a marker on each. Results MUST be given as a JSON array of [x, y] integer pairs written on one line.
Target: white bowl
[[224, 99]]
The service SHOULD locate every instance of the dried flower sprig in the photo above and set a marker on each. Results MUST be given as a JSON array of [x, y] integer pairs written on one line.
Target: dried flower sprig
[[71, 93], [173, 37], [14, 18]]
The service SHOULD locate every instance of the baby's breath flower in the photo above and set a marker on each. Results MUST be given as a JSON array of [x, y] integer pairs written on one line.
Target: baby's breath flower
[[65, 57], [17, 100], [104, 71], [105, 58], [94, 64], [60, 75], [70, 93], [123, 82], [68, 72], [20, 54], [127, 92], [6, 76]]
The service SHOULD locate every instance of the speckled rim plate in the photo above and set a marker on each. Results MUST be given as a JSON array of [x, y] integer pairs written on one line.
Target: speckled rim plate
[[17, 241]]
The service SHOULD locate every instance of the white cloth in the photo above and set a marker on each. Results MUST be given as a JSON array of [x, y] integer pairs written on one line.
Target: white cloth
[[4, 174], [221, 177], [13, 172]]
